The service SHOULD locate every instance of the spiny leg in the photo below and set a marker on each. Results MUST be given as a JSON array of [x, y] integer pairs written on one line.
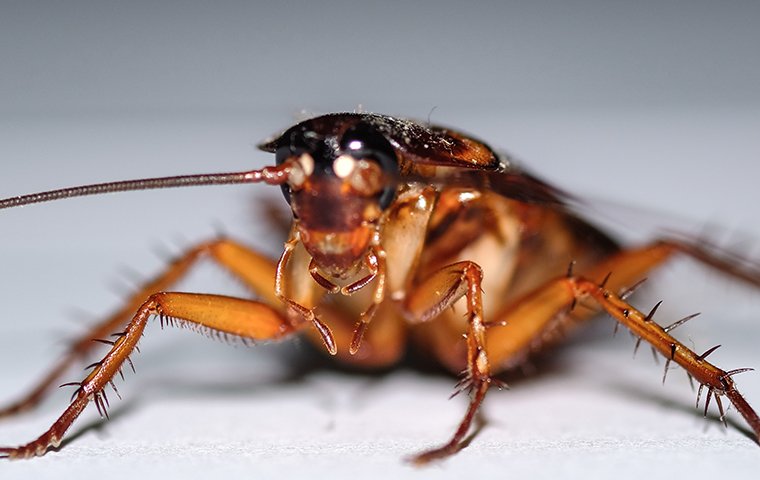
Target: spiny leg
[[533, 322], [253, 269], [426, 301], [303, 311], [718, 382], [246, 319]]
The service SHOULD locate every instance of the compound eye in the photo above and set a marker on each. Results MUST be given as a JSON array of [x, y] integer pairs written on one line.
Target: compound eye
[[369, 155], [281, 155]]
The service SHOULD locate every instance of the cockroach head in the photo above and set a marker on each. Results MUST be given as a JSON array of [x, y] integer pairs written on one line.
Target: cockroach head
[[341, 177], [347, 146]]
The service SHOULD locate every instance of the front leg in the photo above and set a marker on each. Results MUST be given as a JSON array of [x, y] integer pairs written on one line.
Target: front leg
[[245, 319], [425, 302]]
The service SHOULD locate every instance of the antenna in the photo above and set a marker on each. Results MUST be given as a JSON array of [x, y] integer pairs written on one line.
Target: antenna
[[270, 175]]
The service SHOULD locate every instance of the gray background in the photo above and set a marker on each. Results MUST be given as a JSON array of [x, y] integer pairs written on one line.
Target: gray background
[[648, 110]]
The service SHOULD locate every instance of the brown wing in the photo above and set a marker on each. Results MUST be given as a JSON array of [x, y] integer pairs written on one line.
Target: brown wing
[[481, 167], [433, 145]]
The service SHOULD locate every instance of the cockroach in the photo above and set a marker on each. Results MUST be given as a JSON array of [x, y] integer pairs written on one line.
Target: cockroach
[[394, 223]]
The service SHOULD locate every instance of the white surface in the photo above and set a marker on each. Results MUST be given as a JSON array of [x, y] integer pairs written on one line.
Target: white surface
[[653, 107]]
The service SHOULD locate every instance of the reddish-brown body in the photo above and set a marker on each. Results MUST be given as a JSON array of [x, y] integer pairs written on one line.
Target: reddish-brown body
[[403, 234]]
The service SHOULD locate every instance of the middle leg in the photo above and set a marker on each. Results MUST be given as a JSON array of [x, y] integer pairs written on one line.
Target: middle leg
[[253, 269]]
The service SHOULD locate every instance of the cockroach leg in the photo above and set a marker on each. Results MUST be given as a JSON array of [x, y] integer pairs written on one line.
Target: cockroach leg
[[245, 319], [301, 311], [477, 395], [717, 381], [426, 301], [253, 269], [534, 322]]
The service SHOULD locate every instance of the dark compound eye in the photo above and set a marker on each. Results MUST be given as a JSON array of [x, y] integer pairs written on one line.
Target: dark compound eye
[[280, 156], [301, 140], [363, 141]]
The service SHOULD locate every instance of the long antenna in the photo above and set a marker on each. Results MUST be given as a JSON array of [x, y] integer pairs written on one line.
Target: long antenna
[[270, 175]]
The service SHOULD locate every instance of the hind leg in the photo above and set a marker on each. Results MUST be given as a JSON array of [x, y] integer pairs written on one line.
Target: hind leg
[[543, 316], [548, 308]]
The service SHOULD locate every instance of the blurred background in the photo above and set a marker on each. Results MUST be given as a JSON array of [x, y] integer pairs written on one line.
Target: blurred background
[[649, 111]]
